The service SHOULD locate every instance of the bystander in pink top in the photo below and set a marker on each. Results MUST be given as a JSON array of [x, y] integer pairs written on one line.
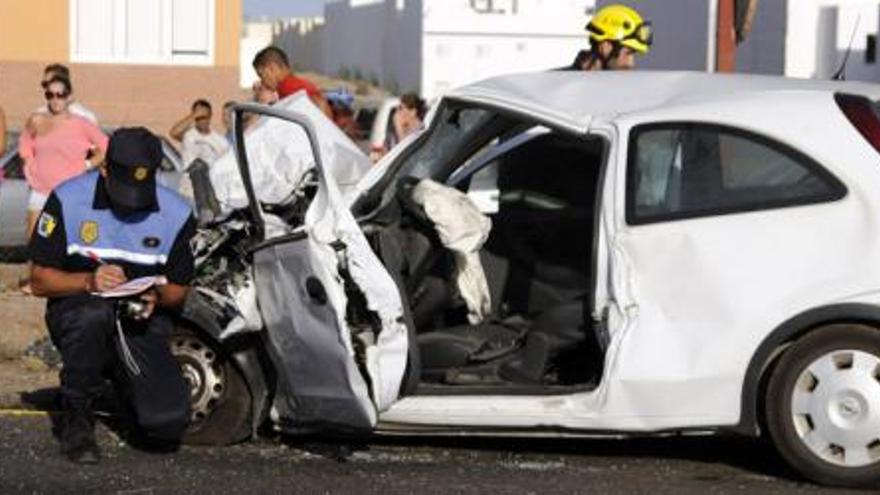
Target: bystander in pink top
[[59, 154]]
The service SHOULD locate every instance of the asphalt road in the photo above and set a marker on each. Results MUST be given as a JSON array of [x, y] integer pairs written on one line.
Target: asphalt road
[[30, 463]]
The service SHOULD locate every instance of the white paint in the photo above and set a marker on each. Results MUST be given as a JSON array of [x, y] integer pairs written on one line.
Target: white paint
[[818, 33], [680, 345], [174, 32]]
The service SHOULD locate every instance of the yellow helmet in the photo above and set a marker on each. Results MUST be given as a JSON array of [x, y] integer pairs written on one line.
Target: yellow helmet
[[621, 24]]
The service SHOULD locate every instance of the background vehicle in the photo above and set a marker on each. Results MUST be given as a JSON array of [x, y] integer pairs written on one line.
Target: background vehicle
[[690, 258], [14, 196]]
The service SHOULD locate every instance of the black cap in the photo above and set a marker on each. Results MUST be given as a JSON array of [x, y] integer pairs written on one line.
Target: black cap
[[133, 157]]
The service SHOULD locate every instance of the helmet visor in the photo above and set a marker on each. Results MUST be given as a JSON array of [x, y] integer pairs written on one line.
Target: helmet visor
[[643, 33]]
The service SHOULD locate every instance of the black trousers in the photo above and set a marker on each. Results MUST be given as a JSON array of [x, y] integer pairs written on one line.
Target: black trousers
[[83, 328]]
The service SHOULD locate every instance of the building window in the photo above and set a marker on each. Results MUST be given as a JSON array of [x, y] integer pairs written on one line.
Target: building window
[[871, 49], [179, 32]]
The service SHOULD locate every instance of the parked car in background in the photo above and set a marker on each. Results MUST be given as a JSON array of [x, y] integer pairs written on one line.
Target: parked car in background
[[14, 193]]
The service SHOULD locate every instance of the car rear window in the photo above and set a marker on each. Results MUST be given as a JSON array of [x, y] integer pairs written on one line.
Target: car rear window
[[690, 170]]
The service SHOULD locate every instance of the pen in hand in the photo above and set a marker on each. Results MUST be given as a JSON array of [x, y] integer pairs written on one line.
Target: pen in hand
[[107, 276]]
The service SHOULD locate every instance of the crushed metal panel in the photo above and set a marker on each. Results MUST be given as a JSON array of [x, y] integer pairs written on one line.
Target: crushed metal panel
[[280, 157], [318, 382]]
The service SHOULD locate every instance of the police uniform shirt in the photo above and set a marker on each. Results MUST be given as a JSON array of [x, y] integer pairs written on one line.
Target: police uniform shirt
[[77, 228]]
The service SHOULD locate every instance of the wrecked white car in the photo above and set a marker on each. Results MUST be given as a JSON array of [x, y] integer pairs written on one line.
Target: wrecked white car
[[627, 253]]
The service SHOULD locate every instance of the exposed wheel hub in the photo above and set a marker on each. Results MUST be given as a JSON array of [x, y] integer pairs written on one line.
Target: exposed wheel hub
[[202, 372], [835, 407]]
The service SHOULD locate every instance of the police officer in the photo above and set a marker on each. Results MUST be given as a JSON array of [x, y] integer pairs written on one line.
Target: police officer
[[617, 34], [96, 232]]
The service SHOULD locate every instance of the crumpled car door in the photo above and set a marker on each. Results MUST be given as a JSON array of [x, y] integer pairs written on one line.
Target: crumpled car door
[[326, 375]]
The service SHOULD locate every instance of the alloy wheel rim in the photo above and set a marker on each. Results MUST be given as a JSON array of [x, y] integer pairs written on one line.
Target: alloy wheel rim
[[835, 408]]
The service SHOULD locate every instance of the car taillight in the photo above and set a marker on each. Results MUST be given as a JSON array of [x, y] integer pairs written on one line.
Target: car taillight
[[861, 114]]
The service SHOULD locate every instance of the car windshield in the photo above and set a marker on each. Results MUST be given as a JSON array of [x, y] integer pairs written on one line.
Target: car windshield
[[455, 129], [457, 133]]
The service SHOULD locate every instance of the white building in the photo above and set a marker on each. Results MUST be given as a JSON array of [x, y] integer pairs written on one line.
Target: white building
[[433, 45], [430, 46]]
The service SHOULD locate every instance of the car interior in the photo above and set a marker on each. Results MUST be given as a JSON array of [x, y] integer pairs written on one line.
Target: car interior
[[538, 259]]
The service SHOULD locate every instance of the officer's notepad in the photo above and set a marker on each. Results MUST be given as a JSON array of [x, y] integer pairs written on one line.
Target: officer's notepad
[[134, 287]]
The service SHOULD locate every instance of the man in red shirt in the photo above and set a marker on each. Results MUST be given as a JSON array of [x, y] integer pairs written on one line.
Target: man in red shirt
[[273, 67]]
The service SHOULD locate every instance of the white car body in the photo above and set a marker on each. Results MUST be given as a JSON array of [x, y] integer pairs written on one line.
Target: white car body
[[692, 303], [681, 345]]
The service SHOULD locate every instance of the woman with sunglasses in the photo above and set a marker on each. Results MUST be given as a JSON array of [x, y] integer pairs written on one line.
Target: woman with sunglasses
[[55, 146]]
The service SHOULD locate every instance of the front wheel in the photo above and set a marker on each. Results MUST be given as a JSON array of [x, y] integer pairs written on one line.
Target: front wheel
[[220, 402], [823, 406]]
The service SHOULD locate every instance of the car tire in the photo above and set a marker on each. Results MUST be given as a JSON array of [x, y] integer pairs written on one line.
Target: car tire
[[823, 406], [220, 400]]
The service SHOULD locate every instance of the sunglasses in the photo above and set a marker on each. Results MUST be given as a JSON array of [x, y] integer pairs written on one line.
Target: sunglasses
[[52, 95]]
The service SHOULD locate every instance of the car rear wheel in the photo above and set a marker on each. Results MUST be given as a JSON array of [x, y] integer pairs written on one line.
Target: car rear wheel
[[220, 402], [823, 405]]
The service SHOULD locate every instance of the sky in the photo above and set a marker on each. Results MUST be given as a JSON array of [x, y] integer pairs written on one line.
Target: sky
[[282, 8]]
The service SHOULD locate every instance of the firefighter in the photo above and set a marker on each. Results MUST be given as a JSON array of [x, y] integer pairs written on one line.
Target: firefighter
[[617, 34]]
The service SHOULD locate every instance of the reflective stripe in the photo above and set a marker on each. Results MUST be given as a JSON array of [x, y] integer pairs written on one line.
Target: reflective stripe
[[107, 254]]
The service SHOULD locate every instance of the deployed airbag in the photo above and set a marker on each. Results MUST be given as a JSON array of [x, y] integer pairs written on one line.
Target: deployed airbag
[[463, 229]]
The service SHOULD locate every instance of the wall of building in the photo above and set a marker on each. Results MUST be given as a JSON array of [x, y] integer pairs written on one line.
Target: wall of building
[[121, 94], [403, 45], [432, 45], [290, 35], [376, 40], [28, 34], [819, 32], [228, 31], [763, 51], [469, 40], [354, 40]]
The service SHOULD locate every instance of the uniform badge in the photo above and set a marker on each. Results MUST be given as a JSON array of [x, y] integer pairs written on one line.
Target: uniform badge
[[151, 242], [47, 225], [88, 231], [141, 173]]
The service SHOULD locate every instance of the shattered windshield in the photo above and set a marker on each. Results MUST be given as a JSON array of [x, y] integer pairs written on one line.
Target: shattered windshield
[[457, 133], [455, 128]]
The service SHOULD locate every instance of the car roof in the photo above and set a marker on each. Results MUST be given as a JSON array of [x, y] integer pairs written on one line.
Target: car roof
[[573, 99]]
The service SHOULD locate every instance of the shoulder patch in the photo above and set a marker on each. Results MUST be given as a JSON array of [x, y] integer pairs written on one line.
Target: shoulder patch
[[46, 225]]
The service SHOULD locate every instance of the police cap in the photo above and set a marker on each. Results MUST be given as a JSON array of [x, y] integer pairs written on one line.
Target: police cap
[[133, 158]]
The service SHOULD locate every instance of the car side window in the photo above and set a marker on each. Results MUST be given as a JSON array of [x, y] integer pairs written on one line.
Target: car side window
[[686, 170]]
